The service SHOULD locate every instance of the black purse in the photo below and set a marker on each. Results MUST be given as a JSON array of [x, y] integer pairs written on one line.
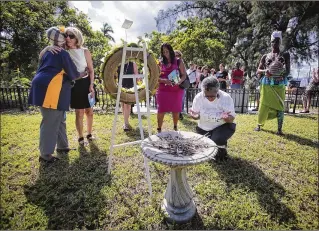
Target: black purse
[[186, 83]]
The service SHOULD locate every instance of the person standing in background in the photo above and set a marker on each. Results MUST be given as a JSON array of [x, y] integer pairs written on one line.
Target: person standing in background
[[191, 72], [129, 68], [169, 96], [237, 77], [198, 74], [203, 75], [274, 67], [212, 72], [306, 97], [178, 55]]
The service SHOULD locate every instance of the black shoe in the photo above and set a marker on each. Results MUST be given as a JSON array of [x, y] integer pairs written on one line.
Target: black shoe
[[175, 128], [221, 155], [49, 161], [255, 109], [280, 133], [181, 117], [81, 140], [89, 137]]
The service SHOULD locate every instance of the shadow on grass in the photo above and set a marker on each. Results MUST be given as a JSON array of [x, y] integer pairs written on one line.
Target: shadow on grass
[[298, 139], [69, 193], [304, 116], [241, 173], [135, 133]]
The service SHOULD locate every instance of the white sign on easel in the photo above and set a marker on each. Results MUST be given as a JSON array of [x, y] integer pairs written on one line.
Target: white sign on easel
[[134, 77]]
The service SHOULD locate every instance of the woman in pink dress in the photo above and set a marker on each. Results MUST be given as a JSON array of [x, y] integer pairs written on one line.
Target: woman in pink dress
[[169, 95]]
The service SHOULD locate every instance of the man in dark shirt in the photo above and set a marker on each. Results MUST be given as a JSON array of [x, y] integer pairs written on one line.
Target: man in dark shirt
[[222, 77]]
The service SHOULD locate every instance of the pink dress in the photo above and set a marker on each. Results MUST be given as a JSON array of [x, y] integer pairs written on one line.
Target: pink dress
[[169, 98]]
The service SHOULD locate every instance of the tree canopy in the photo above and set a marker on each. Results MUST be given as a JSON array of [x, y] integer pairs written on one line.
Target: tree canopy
[[22, 34], [247, 26]]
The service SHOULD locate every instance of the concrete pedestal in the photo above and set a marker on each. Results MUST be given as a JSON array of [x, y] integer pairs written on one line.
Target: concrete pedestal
[[178, 204]]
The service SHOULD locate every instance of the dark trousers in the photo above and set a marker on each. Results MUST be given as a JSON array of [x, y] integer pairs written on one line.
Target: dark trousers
[[221, 134]]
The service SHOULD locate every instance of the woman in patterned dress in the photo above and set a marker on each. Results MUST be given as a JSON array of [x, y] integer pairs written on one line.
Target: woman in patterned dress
[[275, 67]]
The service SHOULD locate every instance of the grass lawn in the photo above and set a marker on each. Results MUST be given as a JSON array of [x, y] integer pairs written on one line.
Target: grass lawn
[[270, 182]]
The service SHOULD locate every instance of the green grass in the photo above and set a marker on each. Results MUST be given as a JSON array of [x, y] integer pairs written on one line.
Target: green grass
[[270, 182]]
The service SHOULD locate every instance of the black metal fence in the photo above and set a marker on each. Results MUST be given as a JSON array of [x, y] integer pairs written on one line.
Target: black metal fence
[[244, 99]]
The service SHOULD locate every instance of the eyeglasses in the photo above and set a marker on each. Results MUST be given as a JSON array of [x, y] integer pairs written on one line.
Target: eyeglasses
[[211, 96], [71, 36]]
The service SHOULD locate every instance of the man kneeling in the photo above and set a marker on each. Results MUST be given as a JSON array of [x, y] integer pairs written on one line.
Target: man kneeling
[[214, 109]]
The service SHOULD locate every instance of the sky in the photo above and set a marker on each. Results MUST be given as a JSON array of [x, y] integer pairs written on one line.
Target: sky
[[142, 13]]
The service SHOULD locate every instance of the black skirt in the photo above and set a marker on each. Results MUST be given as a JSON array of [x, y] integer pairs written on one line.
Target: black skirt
[[79, 94]]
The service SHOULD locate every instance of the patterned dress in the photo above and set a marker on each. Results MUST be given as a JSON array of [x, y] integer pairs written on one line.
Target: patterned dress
[[272, 90], [169, 98]]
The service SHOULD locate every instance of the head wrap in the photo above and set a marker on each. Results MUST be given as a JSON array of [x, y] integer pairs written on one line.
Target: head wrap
[[55, 35], [276, 34]]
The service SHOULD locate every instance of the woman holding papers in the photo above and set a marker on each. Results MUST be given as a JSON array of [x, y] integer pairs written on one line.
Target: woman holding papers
[[83, 88], [169, 95]]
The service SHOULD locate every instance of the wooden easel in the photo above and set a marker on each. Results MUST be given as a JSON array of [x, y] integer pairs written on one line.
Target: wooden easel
[[134, 77]]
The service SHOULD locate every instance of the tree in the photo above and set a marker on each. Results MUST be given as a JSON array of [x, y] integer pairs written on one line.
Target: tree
[[22, 37], [199, 41], [156, 40], [106, 29], [248, 26], [98, 46], [22, 34]]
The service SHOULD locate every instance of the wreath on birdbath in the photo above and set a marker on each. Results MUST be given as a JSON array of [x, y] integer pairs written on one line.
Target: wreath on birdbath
[[109, 69]]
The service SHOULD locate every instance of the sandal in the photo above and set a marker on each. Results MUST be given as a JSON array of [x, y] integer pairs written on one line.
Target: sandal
[[81, 140], [90, 137], [51, 160]]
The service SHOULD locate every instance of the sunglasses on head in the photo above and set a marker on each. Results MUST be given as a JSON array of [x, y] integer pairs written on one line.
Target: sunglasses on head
[[71, 36]]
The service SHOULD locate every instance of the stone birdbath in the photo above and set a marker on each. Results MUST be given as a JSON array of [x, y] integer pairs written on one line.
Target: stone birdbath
[[178, 150]]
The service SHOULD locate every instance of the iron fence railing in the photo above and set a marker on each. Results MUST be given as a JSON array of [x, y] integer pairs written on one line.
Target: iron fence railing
[[244, 99]]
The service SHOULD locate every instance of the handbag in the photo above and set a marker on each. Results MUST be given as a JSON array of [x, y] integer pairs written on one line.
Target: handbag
[[186, 83]]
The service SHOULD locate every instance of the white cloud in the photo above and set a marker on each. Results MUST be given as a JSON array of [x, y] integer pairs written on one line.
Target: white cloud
[[142, 13]]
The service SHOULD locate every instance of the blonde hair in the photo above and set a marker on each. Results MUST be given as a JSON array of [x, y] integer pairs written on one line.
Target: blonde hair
[[78, 35], [178, 52]]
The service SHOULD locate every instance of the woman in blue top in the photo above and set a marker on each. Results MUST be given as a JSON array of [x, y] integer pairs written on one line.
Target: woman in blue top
[[51, 90]]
